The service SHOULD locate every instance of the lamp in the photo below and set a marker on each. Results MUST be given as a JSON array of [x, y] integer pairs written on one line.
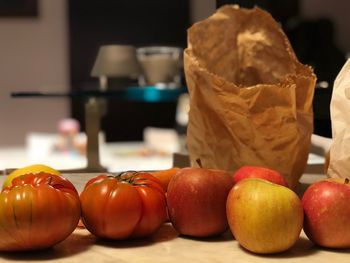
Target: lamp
[[116, 61]]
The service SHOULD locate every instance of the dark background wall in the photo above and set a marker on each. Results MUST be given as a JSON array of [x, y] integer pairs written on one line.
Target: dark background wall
[[155, 22], [134, 22]]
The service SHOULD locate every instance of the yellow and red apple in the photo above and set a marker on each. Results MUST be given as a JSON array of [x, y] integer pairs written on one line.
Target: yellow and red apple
[[264, 217]]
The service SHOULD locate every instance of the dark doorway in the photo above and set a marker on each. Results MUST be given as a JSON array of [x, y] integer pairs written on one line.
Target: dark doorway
[[133, 22]]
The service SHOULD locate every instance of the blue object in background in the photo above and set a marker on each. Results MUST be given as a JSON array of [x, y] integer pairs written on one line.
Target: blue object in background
[[153, 93]]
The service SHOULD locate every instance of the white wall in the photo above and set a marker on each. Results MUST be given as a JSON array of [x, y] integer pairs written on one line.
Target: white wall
[[33, 56]]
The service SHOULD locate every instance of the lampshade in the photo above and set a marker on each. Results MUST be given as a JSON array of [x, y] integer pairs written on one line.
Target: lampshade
[[116, 61]]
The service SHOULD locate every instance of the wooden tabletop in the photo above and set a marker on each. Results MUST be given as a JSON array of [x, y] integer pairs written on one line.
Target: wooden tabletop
[[168, 246]]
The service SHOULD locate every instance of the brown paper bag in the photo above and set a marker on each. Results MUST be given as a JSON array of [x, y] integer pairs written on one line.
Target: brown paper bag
[[250, 98], [339, 163]]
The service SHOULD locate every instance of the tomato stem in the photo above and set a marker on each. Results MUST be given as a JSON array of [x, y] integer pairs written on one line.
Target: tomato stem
[[130, 176], [346, 181]]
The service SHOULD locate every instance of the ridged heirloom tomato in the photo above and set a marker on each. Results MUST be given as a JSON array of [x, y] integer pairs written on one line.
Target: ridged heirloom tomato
[[37, 211], [130, 205]]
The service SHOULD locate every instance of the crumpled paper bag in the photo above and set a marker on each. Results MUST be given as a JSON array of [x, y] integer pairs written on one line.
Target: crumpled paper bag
[[250, 98], [339, 163]]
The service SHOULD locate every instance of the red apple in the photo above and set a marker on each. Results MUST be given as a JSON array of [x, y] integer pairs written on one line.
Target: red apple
[[264, 217], [326, 206], [196, 200], [259, 172]]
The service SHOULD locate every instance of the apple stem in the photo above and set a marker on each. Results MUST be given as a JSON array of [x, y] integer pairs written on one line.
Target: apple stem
[[199, 162], [346, 181]]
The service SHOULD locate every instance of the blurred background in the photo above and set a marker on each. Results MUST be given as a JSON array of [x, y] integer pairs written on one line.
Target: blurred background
[[52, 46]]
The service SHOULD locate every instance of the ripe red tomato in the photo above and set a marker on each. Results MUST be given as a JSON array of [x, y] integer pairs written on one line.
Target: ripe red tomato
[[37, 211], [130, 205]]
